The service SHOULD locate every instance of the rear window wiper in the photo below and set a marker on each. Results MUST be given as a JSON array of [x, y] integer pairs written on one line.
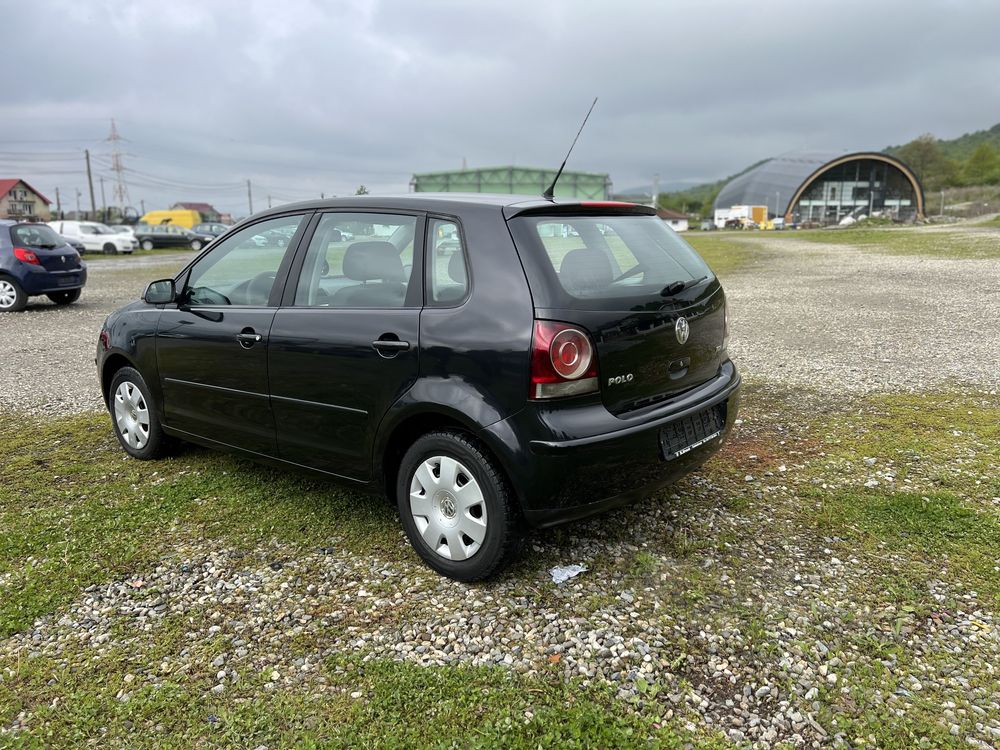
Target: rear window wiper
[[676, 287]]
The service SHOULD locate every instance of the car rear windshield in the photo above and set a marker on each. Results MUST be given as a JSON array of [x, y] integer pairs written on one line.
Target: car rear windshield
[[605, 262], [35, 235]]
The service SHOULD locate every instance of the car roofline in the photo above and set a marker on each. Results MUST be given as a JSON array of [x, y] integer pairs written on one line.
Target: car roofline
[[510, 204]]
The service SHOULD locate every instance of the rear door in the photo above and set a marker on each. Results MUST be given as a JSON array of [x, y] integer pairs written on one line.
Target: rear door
[[211, 347], [655, 311], [344, 345]]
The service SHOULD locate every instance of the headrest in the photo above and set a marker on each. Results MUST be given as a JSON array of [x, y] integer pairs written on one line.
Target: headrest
[[585, 270], [367, 261], [456, 268]]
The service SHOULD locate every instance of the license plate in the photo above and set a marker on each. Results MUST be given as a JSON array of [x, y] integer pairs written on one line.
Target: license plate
[[684, 435], [68, 280]]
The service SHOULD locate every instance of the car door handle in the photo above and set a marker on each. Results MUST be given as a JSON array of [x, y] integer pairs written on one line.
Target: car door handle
[[248, 338], [390, 347]]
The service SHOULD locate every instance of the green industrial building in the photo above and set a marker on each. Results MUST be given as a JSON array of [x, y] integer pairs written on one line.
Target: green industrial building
[[519, 180]]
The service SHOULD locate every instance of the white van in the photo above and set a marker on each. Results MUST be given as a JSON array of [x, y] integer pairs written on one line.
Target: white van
[[96, 237]]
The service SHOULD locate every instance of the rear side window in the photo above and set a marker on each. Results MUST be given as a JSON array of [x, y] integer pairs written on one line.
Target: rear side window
[[448, 272], [358, 260], [604, 262]]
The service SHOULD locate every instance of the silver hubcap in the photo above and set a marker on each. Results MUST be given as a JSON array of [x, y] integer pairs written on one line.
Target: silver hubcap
[[448, 508], [131, 415], [7, 294]]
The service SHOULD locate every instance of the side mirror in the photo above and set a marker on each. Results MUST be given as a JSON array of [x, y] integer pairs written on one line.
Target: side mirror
[[160, 292]]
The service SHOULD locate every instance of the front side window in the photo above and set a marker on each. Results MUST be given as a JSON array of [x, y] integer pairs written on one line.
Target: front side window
[[241, 271], [358, 260], [448, 273]]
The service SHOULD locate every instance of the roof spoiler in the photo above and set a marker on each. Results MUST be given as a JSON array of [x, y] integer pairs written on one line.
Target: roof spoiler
[[578, 208]]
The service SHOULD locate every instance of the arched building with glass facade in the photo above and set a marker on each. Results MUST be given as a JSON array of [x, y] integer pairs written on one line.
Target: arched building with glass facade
[[818, 188]]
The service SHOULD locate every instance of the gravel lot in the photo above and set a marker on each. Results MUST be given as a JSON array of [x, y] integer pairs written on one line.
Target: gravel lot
[[48, 351], [841, 319], [742, 623]]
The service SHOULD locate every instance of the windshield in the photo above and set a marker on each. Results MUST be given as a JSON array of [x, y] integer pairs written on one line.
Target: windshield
[[36, 235], [609, 261]]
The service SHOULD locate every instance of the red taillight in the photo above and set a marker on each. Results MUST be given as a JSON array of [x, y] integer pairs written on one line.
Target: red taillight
[[26, 256], [562, 361]]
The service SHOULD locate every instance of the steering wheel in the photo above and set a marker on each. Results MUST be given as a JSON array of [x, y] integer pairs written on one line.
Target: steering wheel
[[259, 288]]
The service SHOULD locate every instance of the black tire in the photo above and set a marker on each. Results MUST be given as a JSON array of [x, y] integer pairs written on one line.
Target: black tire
[[64, 298], [503, 535], [156, 443], [196, 245], [110, 249], [12, 296], [147, 244]]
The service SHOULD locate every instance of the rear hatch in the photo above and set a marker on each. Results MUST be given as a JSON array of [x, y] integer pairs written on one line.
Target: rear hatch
[[52, 251], [654, 310]]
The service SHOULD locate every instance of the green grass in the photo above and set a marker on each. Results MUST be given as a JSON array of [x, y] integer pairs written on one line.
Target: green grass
[[955, 243], [943, 454], [101, 257], [726, 254], [74, 510], [364, 704]]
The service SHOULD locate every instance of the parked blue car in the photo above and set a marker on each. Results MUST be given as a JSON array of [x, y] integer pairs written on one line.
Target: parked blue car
[[34, 260]]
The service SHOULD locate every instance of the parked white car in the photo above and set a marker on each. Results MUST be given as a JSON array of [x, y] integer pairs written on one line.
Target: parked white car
[[96, 237]]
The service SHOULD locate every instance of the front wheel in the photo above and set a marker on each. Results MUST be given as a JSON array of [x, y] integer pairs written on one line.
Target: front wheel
[[137, 425], [64, 298], [456, 508], [196, 245], [110, 249]]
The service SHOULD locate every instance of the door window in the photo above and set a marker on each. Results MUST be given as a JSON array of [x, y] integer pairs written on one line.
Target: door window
[[358, 260], [242, 269], [449, 276]]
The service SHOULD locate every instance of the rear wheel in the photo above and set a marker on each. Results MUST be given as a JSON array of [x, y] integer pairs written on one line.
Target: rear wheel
[[12, 297], [110, 249], [456, 507], [147, 244], [196, 244], [137, 425], [64, 298]]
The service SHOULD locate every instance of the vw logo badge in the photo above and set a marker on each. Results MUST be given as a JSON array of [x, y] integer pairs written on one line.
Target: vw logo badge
[[682, 329]]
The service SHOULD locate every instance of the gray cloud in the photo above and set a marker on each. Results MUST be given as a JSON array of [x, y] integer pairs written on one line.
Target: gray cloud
[[308, 97]]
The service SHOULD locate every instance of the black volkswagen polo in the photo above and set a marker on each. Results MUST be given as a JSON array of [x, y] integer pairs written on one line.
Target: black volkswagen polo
[[487, 362]]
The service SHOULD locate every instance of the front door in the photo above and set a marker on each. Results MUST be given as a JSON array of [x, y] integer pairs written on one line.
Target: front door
[[211, 348], [344, 346]]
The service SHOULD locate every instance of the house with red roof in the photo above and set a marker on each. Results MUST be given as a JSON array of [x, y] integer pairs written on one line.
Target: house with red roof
[[207, 210], [18, 200]]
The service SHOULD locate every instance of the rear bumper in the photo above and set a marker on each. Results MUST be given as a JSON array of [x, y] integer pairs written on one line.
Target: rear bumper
[[570, 462], [35, 280]]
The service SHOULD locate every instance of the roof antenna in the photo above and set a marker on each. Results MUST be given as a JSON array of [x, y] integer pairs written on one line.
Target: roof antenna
[[550, 192]]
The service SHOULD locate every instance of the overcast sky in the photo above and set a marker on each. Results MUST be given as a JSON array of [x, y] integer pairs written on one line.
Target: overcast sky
[[317, 97]]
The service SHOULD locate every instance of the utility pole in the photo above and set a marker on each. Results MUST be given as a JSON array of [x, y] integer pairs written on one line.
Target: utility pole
[[104, 203], [90, 181], [78, 194], [58, 204], [142, 205], [656, 190], [249, 197], [268, 201]]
